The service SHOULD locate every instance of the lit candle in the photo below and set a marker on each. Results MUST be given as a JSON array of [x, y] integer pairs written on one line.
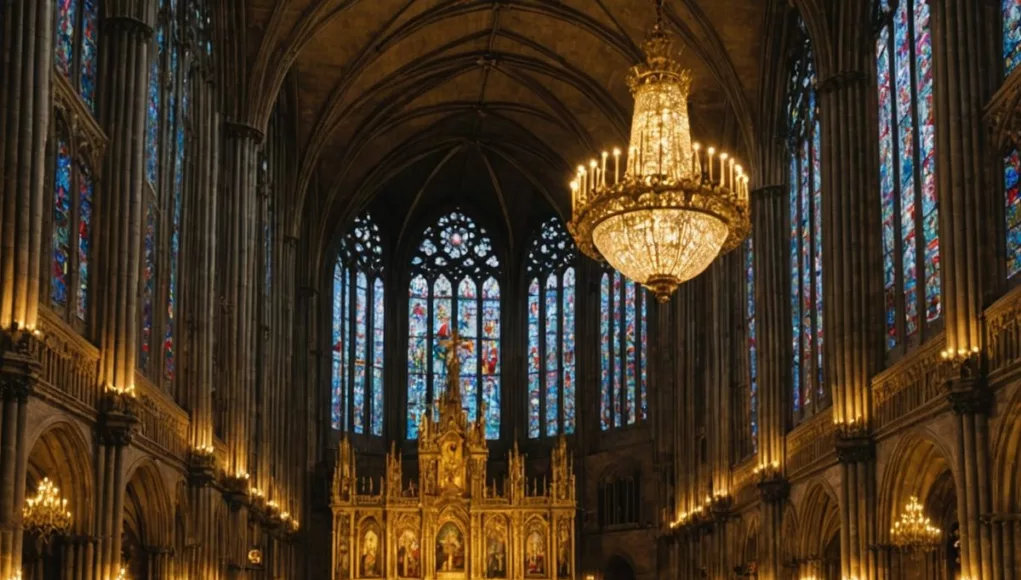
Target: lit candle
[[732, 182], [698, 162], [594, 182], [605, 155], [616, 165], [581, 176], [574, 196], [711, 152], [723, 170]]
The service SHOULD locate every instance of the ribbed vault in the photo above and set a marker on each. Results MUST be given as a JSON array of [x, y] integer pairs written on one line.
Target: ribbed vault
[[409, 103]]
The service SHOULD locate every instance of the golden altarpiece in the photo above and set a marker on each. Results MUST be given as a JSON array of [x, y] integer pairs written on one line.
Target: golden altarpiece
[[451, 524]]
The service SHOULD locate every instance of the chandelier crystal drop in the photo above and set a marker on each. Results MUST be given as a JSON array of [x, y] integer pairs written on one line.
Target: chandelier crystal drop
[[47, 512], [914, 531], [665, 215]]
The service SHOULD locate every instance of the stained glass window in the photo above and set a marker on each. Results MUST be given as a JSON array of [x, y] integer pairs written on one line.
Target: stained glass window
[[805, 179], [358, 331], [907, 177], [623, 322], [76, 51], [74, 191], [551, 344], [454, 260], [1011, 35], [1012, 188], [750, 329]]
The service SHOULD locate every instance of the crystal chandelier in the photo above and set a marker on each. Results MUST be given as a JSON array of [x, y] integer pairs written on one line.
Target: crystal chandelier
[[47, 512], [914, 531], [675, 207]]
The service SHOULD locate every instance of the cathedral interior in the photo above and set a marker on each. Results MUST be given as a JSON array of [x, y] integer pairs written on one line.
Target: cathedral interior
[[317, 289]]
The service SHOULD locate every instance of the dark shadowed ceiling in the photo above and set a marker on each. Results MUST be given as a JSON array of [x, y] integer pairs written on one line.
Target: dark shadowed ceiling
[[414, 104]]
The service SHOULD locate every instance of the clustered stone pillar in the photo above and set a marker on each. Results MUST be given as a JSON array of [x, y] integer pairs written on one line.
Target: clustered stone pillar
[[769, 240], [850, 216], [963, 85], [24, 124], [126, 30], [115, 431]]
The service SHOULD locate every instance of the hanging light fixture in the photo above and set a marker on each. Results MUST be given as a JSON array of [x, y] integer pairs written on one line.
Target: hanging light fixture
[[47, 512], [673, 207], [913, 531]]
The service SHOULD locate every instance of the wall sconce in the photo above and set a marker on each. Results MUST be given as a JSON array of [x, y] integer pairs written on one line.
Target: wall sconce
[[960, 354]]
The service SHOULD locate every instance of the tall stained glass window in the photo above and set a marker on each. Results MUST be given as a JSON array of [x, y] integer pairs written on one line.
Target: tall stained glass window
[[1012, 161], [551, 344], [750, 326], [71, 236], [454, 284], [907, 177], [623, 317], [358, 331], [77, 50], [805, 179]]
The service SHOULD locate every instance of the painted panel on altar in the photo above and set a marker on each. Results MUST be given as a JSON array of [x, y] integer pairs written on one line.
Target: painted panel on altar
[[450, 548], [370, 562], [496, 548], [409, 555], [535, 553]]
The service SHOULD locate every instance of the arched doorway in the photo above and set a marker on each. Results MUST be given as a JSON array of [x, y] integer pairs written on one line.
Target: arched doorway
[[618, 568]]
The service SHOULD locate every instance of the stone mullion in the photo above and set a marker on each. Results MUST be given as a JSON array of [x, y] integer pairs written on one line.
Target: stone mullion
[[24, 125], [770, 235], [126, 31]]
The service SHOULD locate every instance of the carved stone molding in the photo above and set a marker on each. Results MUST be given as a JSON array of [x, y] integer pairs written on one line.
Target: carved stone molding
[[969, 397], [1003, 114], [90, 140], [117, 423]]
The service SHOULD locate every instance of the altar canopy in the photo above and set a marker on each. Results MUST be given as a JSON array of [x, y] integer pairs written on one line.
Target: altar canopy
[[452, 523]]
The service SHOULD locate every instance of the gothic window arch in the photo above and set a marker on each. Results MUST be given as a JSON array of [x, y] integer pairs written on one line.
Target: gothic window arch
[[358, 331], [551, 362], [907, 176], [623, 332], [1012, 161], [454, 284], [167, 116], [76, 49], [73, 196], [751, 334], [805, 182]]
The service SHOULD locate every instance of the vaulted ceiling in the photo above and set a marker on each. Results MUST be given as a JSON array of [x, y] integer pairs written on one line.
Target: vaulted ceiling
[[414, 104]]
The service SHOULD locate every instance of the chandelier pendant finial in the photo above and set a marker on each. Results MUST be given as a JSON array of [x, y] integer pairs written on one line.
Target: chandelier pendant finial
[[663, 216]]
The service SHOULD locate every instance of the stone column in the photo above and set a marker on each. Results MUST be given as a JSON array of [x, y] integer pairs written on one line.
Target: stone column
[[115, 430], [964, 74], [770, 235], [24, 126], [19, 373], [126, 31]]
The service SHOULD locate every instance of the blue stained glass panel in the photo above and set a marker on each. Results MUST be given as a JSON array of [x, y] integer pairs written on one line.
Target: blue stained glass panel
[[795, 283], [605, 409], [416, 403], [552, 356], [62, 200], [361, 344], [630, 346], [618, 356], [1012, 189], [152, 112], [533, 358], [569, 351], [643, 343], [89, 51], [378, 325], [67, 19], [491, 396], [887, 189], [337, 349], [1011, 35], [753, 390], [148, 285], [86, 188]]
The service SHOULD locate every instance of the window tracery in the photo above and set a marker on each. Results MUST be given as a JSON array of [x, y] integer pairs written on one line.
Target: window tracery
[[76, 49], [750, 329], [358, 331], [454, 254], [805, 179], [551, 325], [907, 178], [623, 330]]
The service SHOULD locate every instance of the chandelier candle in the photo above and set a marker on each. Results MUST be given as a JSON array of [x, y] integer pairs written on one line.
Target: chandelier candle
[[674, 210]]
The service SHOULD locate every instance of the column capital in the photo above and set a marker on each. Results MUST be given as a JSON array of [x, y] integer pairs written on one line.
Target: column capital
[[855, 446], [240, 130], [841, 80], [117, 421], [774, 490], [969, 397]]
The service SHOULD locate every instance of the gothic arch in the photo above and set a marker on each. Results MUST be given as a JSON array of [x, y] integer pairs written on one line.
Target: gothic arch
[[1006, 469], [919, 464], [820, 519], [61, 452], [619, 566], [148, 507]]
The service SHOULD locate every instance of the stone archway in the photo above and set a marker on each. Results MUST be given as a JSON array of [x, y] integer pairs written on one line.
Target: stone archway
[[147, 537], [62, 455], [617, 568]]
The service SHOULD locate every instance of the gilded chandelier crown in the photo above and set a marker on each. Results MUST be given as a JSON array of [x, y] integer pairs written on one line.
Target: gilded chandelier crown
[[675, 207]]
